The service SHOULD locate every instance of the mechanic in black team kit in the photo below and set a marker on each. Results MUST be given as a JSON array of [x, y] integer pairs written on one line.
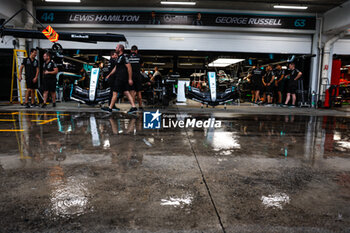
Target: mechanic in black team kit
[[123, 79], [49, 70], [136, 64], [111, 65], [279, 82], [292, 86], [256, 76], [268, 81], [31, 67]]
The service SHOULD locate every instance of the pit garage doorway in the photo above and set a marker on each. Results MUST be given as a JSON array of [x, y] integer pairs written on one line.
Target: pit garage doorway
[[194, 66]]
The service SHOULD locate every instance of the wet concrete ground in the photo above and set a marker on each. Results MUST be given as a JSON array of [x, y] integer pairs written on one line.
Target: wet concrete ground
[[91, 172]]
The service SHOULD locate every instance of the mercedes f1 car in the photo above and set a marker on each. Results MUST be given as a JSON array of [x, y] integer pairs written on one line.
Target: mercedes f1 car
[[93, 95], [212, 98]]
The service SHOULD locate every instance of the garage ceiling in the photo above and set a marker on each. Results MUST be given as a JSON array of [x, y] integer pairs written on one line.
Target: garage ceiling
[[315, 6]]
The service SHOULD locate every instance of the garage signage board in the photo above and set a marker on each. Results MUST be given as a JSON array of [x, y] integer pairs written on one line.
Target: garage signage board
[[59, 16]]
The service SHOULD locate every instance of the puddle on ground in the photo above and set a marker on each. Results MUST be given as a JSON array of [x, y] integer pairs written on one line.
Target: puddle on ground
[[275, 201], [69, 196], [184, 200], [306, 137]]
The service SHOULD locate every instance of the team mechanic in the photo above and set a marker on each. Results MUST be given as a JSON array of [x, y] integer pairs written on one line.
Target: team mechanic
[[268, 80], [292, 86], [50, 70], [110, 81], [256, 76], [279, 82], [123, 78], [136, 64], [31, 67]]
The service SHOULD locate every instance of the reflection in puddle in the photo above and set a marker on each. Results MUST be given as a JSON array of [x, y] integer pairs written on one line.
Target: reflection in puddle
[[276, 200], [68, 196], [106, 144], [269, 136], [224, 140], [178, 201], [226, 152], [147, 142], [344, 144], [94, 132]]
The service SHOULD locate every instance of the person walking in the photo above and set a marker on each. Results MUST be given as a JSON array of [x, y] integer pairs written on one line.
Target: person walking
[[123, 79], [136, 64]]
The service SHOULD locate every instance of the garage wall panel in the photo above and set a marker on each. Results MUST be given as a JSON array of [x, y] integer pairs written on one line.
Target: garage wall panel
[[342, 47], [202, 41]]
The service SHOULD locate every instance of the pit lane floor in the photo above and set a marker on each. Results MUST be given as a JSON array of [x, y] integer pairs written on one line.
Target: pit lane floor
[[275, 170]]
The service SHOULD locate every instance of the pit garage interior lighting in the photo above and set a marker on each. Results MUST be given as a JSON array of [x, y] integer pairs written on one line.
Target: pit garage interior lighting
[[224, 62], [177, 3], [290, 7]]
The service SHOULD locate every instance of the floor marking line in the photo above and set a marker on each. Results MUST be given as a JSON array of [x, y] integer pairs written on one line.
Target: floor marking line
[[48, 121], [11, 130], [38, 113], [7, 120], [205, 182], [43, 114]]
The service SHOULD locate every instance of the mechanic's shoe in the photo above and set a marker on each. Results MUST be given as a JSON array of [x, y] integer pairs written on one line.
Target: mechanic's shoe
[[106, 109], [43, 105], [140, 109], [115, 109], [132, 111], [34, 105], [54, 105], [27, 105]]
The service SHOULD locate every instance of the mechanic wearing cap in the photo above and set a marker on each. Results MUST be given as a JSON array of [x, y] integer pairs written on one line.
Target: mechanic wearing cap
[[31, 66], [136, 64]]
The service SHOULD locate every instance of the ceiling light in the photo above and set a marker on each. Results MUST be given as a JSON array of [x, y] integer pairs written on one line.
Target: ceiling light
[[158, 63], [186, 64], [290, 7], [177, 3], [77, 1], [177, 38], [223, 62]]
